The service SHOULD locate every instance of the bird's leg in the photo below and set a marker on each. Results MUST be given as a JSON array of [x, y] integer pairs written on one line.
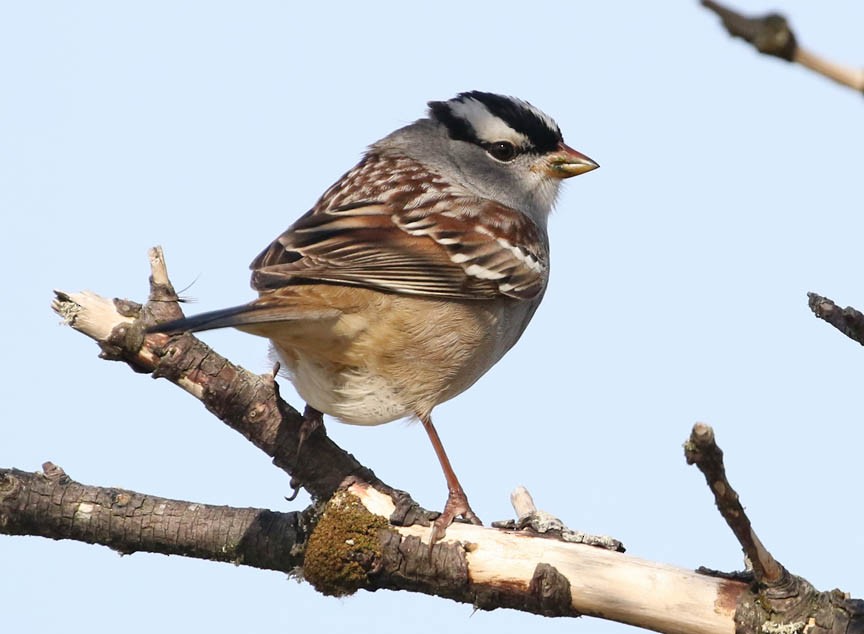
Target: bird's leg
[[457, 502], [313, 420]]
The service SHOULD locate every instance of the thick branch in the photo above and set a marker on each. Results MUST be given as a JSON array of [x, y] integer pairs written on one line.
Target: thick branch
[[350, 545], [513, 569], [50, 504], [771, 35]]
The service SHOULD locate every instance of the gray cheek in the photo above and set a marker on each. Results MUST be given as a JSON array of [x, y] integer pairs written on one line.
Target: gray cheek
[[489, 178]]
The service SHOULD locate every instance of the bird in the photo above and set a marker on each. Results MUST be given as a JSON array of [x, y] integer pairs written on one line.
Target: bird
[[416, 271]]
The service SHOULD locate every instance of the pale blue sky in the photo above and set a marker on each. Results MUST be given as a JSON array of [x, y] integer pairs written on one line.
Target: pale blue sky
[[730, 185]]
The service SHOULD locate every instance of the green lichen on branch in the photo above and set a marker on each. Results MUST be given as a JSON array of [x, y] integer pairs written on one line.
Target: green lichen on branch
[[344, 548]]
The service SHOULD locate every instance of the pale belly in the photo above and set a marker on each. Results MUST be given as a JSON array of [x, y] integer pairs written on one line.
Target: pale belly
[[353, 395], [396, 361]]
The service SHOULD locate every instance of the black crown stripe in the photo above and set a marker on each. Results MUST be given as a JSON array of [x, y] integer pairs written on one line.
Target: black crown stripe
[[543, 138]]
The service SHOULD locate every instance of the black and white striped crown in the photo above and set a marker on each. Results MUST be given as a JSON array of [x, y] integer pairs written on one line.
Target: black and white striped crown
[[484, 117]]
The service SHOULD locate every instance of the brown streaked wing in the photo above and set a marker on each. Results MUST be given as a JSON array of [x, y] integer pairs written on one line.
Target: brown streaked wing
[[490, 241], [470, 249]]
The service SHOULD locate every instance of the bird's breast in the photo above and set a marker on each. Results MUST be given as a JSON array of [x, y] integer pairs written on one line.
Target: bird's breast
[[394, 356]]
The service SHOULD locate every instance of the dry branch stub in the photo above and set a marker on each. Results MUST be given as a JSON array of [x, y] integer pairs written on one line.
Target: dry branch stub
[[777, 602]]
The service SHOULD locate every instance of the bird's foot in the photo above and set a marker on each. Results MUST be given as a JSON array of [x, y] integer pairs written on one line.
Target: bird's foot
[[313, 420], [456, 506]]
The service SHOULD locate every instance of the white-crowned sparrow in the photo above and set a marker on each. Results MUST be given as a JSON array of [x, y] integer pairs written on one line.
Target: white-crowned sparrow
[[417, 270]]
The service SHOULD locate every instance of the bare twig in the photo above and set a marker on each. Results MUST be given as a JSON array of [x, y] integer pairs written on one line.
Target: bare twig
[[847, 320], [702, 450], [840, 73], [780, 603], [771, 35]]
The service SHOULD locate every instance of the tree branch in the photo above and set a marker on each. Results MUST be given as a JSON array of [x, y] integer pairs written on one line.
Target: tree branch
[[771, 35], [51, 504], [702, 450], [349, 540], [780, 601], [847, 320], [248, 403], [350, 545]]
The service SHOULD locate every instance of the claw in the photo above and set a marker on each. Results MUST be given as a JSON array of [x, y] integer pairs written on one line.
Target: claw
[[313, 420], [456, 506]]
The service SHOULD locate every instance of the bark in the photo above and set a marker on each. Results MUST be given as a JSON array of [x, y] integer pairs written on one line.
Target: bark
[[349, 545], [362, 534], [51, 504]]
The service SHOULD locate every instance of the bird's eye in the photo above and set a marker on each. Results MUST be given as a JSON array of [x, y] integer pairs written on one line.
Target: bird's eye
[[502, 150]]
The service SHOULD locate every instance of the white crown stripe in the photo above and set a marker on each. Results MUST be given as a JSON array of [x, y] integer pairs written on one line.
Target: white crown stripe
[[487, 126]]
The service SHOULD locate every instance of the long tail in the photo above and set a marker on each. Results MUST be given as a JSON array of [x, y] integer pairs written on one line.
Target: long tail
[[223, 318], [239, 316]]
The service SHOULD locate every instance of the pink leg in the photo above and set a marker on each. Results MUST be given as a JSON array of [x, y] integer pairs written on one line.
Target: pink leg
[[457, 502]]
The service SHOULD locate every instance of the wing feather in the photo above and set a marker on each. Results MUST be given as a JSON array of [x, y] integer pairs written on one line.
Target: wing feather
[[423, 241]]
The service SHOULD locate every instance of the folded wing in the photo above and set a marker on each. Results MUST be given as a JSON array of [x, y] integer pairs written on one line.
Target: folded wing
[[448, 247]]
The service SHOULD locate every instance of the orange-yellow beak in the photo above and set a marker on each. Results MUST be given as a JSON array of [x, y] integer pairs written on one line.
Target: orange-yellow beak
[[566, 162]]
